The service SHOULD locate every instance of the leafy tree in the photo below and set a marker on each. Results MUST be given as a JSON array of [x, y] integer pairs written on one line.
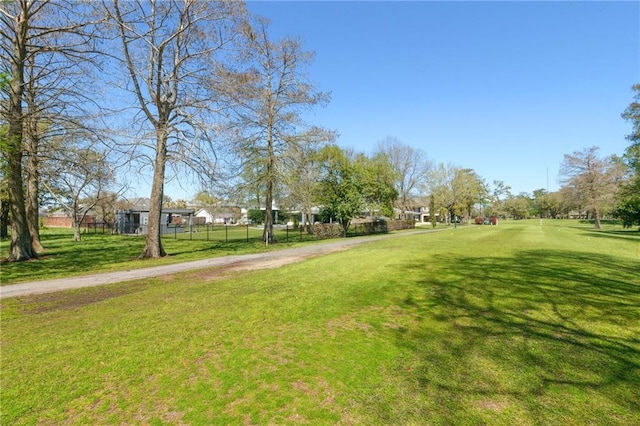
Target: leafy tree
[[351, 185], [628, 207], [632, 114], [442, 189], [264, 102], [519, 206], [595, 180], [168, 50], [570, 200], [377, 179], [546, 204], [497, 197], [456, 189], [471, 190], [255, 216], [340, 190]]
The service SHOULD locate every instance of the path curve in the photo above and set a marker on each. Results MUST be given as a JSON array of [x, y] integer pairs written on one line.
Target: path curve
[[267, 259]]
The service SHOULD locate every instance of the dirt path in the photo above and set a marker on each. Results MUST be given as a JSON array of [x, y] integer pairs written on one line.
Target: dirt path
[[255, 261]]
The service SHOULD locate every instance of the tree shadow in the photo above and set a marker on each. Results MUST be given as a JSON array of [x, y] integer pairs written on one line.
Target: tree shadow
[[535, 328], [627, 234]]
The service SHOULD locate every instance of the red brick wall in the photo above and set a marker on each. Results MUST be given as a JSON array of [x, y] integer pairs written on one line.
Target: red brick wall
[[64, 221]]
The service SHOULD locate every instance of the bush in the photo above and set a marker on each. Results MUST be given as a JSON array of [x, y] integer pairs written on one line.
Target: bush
[[396, 225], [255, 216], [326, 230], [479, 220]]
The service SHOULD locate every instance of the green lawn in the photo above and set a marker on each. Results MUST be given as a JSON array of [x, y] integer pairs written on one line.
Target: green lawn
[[99, 252], [519, 323]]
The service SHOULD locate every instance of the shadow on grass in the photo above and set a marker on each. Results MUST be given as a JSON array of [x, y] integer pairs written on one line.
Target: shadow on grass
[[551, 335], [627, 234], [99, 253]]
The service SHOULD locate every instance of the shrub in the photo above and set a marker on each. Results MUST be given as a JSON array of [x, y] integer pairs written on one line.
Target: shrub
[[326, 230], [396, 225]]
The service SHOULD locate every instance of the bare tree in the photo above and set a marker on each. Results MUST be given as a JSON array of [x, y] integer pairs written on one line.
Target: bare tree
[[594, 179], [16, 18], [168, 49], [302, 180], [42, 42], [83, 179], [264, 103], [412, 168], [56, 104]]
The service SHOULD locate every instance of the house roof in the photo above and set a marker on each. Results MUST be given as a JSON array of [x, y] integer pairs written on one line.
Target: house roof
[[164, 210], [216, 213]]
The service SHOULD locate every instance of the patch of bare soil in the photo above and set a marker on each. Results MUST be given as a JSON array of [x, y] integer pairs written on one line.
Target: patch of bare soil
[[46, 302], [492, 405], [253, 265]]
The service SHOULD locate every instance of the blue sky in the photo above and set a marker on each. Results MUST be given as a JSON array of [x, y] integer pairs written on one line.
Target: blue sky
[[504, 88]]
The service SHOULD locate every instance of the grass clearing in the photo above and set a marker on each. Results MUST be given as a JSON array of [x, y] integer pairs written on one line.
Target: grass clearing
[[519, 323], [63, 257], [98, 252]]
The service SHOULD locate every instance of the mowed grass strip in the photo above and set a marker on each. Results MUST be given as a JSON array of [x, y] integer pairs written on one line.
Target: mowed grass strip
[[514, 324], [97, 252]]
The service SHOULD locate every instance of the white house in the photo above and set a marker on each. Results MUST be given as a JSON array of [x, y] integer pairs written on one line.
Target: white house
[[220, 216]]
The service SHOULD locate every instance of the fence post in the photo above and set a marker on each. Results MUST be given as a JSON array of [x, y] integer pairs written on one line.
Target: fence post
[[175, 232], [207, 232], [247, 232], [226, 233], [287, 232]]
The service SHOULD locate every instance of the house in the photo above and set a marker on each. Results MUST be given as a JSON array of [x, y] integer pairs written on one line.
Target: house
[[310, 217], [420, 213], [136, 220], [216, 216]]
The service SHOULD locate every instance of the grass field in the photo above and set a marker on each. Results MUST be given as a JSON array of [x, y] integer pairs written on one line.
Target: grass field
[[99, 252], [520, 323]]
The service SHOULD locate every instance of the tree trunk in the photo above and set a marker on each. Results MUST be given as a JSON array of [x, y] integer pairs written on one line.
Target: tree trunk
[[345, 227], [21, 244], [153, 244], [76, 230], [4, 219], [32, 145], [596, 215], [267, 233], [432, 211], [32, 204]]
